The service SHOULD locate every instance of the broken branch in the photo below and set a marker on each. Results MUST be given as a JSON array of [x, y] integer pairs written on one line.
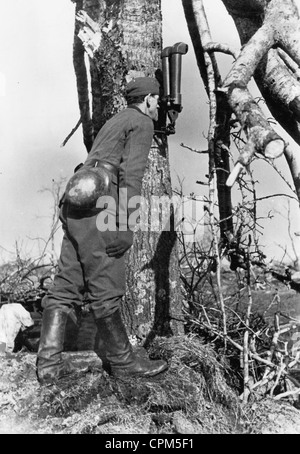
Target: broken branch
[[194, 150], [218, 47], [71, 133], [89, 34]]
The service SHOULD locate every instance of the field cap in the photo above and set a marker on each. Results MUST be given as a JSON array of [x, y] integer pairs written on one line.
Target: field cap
[[142, 86]]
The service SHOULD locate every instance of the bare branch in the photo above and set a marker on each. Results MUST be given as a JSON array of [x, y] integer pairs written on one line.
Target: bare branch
[[219, 47], [193, 149], [71, 133], [289, 62], [287, 394], [249, 57]]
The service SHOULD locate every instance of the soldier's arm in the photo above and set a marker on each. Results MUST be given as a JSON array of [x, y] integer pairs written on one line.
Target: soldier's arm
[[134, 160]]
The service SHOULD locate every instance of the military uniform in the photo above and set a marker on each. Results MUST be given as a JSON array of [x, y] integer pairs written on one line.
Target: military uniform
[[124, 141], [85, 265]]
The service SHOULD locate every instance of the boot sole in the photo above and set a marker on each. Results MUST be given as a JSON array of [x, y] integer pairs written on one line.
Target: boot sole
[[127, 373]]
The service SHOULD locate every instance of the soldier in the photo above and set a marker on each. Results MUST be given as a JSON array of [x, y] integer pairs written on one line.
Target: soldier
[[92, 258]]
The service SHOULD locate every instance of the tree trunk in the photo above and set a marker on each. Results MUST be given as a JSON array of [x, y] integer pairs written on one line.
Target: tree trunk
[[130, 45], [200, 36], [82, 85]]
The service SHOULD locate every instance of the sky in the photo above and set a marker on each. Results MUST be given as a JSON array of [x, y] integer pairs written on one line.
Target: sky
[[38, 109]]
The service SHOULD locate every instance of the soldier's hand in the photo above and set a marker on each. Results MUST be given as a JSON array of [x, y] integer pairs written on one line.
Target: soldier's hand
[[120, 245]]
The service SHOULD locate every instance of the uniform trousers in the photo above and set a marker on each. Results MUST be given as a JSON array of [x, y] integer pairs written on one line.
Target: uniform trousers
[[84, 268]]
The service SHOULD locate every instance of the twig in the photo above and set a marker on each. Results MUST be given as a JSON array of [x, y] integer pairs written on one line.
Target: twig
[[205, 315], [271, 196], [276, 299], [246, 334], [295, 360], [264, 380], [287, 394], [279, 374], [238, 346], [279, 172], [194, 150], [71, 133], [241, 320]]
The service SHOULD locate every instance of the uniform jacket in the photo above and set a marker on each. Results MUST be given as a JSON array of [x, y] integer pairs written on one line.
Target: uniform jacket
[[125, 141]]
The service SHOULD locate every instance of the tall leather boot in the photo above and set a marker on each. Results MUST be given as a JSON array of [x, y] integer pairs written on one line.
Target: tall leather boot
[[50, 365], [119, 353]]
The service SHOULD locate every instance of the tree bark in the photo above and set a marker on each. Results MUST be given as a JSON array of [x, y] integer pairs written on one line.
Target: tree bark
[[130, 45], [82, 85]]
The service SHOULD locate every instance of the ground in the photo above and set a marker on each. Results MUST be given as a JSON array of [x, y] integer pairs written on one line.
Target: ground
[[199, 393], [194, 396]]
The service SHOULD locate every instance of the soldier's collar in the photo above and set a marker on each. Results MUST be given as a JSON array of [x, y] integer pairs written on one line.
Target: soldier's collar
[[133, 106]]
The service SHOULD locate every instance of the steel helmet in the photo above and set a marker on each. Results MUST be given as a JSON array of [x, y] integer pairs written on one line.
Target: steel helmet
[[86, 186]]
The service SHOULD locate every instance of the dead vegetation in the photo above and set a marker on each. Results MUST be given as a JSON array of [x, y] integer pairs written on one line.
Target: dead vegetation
[[193, 396], [197, 395], [215, 383]]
